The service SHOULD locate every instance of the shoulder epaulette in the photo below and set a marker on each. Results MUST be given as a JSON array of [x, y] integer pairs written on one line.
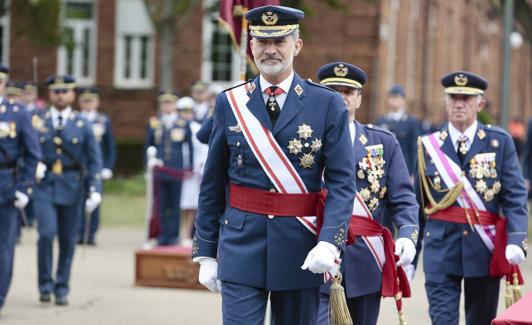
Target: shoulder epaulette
[[497, 129], [310, 82], [372, 127]]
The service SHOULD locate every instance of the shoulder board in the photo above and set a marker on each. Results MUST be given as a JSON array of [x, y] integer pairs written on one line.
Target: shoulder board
[[310, 82], [154, 122], [241, 84], [496, 129], [372, 127]]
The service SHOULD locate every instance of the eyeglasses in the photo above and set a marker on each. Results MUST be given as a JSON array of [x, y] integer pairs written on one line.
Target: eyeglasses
[[60, 91]]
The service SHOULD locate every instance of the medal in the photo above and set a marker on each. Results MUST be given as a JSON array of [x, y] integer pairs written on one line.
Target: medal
[[488, 195], [306, 161], [383, 192], [361, 174], [177, 135], [375, 187], [496, 187], [365, 194], [295, 146], [304, 131], [481, 186], [316, 145]]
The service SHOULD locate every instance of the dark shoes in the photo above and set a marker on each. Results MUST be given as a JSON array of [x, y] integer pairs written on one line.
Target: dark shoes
[[61, 300], [45, 297]]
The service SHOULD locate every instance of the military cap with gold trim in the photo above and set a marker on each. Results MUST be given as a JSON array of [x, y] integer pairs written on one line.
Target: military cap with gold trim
[[464, 83], [14, 88], [342, 74], [87, 93], [4, 72], [30, 86], [61, 82], [273, 21], [168, 95]]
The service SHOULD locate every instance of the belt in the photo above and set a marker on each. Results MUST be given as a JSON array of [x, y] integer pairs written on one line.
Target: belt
[[458, 215], [274, 203], [65, 168], [394, 280], [10, 165]]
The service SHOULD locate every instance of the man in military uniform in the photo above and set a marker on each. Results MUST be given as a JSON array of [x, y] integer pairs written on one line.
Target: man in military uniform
[[89, 102], [70, 153], [171, 136], [18, 142], [382, 184], [405, 127], [474, 197], [30, 99], [13, 90], [272, 141]]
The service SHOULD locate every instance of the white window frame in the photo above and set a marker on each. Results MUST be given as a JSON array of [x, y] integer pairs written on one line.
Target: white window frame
[[209, 26], [135, 81], [5, 21], [78, 26]]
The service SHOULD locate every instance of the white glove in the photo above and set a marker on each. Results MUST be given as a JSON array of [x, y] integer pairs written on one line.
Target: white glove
[[405, 249], [321, 258], [21, 200], [93, 202], [208, 274], [40, 171], [514, 254], [106, 174], [152, 162], [410, 271]]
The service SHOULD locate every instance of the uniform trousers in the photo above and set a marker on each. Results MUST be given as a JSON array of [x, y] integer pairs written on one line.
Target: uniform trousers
[[8, 237], [61, 220], [247, 305], [481, 298]]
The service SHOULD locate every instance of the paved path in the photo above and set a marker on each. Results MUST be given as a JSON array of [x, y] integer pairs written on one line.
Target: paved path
[[103, 291]]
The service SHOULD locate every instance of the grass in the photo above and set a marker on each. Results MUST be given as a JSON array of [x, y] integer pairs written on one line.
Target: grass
[[124, 202]]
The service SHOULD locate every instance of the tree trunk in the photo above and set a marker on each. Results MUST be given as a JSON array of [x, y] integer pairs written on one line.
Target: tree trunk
[[167, 34]]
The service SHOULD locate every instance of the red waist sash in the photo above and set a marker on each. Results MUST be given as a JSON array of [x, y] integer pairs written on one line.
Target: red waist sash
[[394, 280], [277, 204], [499, 266]]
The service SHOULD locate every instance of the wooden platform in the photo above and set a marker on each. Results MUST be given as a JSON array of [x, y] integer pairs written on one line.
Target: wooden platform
[[168, 267]]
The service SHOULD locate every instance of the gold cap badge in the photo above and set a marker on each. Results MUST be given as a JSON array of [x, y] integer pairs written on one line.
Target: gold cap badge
[[269, 18], [460, 80], [340, 70]]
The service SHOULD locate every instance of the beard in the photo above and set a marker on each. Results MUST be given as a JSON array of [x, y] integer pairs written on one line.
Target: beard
[[274, 69]]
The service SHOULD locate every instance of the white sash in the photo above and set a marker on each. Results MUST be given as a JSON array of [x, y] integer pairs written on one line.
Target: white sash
[[269, 154], [451, 174], [374, 243]]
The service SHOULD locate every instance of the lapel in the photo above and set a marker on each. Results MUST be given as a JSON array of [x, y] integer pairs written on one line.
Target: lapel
[[359, 147], [69, 124], [47, 117], [448, 147], [478, 144], [257, 106], [292, 105]]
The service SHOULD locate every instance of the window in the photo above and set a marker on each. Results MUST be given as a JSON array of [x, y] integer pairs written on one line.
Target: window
[[135, 50], [77, 55], [220, 62], [4, 34]]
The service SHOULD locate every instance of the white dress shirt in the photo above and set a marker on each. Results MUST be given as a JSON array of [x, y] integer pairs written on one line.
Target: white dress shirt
[[54, 113], [284, 85], [469, 135], [91, 116]]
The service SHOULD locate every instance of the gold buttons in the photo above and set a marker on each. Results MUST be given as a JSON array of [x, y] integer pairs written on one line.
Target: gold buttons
[[225, 221], [75, 140], [465, 233], [272, 190], [238, 144], [428, 234], [270, 216], [58, 151]]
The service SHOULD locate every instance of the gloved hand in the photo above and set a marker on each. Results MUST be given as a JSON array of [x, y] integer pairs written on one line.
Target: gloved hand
[[106, 174], [410, 271], [321, 258], [514, 254], [21, 200], [152, 162], [405, 249], [40, 171], [93, 202], [208, 274]]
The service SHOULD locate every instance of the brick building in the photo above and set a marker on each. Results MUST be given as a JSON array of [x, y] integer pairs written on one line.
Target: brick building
[[412, 42]]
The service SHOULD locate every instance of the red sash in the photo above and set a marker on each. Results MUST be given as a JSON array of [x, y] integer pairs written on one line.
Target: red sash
[[362, 226], [499, 266]]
